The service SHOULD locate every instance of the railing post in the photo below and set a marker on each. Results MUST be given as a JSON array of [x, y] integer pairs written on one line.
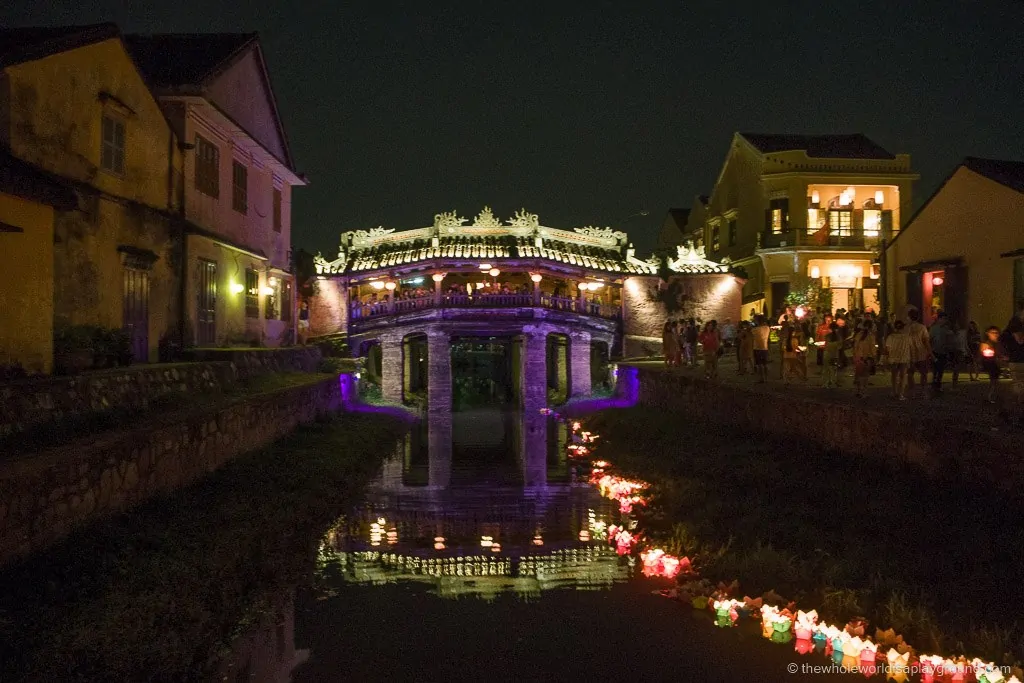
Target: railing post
[[437, 293], [391, 301]]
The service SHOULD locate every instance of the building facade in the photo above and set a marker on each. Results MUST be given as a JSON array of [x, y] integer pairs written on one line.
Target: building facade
[[74, 107], [237, 189], [799, 213], [963, 251]]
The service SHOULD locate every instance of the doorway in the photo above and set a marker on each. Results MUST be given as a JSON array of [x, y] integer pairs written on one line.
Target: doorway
[[135, 312], [206, 304]]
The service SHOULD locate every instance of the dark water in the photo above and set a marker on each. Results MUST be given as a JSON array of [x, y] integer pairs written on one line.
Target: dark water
[[475, 555]]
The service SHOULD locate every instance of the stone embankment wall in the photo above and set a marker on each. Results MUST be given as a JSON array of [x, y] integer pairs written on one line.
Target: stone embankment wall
[[252, 362], [943, 450], [34, 402], [46, 495]]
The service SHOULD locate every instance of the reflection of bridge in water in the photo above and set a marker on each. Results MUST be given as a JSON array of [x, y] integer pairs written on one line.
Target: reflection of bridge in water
[[496, 512]]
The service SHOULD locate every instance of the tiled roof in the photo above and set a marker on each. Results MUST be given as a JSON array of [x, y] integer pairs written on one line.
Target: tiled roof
[[24, 180], [175, 60], [852, 146], [29, 43], [1008, 173], [493, 248]]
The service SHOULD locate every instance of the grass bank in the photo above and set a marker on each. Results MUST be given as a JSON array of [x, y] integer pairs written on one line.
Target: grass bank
[[943, 565], [159, 593]]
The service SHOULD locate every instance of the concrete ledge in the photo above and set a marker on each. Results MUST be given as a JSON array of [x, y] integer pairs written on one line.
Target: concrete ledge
[[944, 450], [44, 496]]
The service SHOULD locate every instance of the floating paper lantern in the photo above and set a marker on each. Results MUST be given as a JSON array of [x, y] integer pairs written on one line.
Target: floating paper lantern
[[806, 624], [898, 668], [931, 666], [868, 658]]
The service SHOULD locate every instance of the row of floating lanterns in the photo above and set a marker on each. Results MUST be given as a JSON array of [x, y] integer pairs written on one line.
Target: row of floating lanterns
[[847, 647]]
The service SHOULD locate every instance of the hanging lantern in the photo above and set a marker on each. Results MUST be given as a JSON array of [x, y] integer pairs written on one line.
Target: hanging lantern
[[536, 277], [879, 197], [390, 285], [937, 281], [494, 272], [437, 277], [377, 284]]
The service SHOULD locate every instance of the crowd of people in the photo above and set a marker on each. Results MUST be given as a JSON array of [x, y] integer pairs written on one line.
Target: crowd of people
[[916, 356]]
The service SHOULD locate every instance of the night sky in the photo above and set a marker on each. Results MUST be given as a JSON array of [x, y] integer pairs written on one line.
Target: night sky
[[587, 113]]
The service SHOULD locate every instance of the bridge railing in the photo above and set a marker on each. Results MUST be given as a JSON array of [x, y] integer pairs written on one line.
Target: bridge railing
[[363, 311]]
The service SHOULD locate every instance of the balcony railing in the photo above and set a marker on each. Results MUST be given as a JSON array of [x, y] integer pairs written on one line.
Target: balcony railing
[[855, 240], [363, 311]]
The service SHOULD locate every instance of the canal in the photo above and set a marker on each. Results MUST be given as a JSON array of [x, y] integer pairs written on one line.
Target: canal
[[484, 554]]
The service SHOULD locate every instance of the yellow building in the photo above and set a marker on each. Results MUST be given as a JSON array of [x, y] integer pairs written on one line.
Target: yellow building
[[28, 199], [74, 105], [796, 210], [239, 175], [963, 251]]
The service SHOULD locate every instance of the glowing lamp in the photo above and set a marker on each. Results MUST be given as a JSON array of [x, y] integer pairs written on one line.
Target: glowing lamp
[[584, 535], [390, 285], [879, 197], [439, 543], [485, 266], [815, 197], [437, 277], [805, 625], [486, 541], [496, 548], [273, 280], [267, 291], [237, 288], [536, 277], [868, 657], [538, 540], [937, 280], [815, 272], [988, 353], [800, 311], [377, 284], [494, 272]]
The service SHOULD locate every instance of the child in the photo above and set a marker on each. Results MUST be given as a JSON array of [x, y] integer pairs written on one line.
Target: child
[[990, 353]]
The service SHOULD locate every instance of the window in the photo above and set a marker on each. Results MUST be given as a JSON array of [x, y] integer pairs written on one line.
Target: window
[[239, 187], [207, 167], [779, 209], [286, 301], [252, 293], [277, 210], [872, 222], [840, 222], [732, 232], [271, 306], [112, 146], [716, 237], [814, 221]]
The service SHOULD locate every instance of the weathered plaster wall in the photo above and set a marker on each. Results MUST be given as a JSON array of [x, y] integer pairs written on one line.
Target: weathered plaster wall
[[704, 297], [29, 403], [941, 449], [328, 310], [43, 497], [26, 297]]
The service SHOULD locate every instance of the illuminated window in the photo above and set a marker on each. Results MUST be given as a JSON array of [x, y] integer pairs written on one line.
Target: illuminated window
[[779, 215], [812, 221], [112, 147], [872, 222], [272, 304], [252, 293], [716, 237], [840, 222], [207, 167], [239, 187]]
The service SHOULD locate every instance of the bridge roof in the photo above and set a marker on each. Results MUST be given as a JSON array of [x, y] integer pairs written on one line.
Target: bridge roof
[[489, 239]]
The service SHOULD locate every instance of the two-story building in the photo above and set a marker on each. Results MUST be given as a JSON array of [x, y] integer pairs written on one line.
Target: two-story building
[[76, 113], [963, 251], [803, 211], [237, 190]]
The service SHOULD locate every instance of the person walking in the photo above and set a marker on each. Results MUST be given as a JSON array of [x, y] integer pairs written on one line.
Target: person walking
[[711, 342], [920, 350], [745, 348], [760, 335], [943, 345], [898, 351], [864, 351]]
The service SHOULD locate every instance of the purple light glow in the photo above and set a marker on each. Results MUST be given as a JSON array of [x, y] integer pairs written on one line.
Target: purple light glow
[[350, 401], [627, 393]]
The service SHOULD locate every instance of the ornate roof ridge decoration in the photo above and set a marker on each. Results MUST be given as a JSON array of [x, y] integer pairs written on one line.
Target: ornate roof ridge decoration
[[448, 220], [692, 260], [362, 238], [325, 267], [600, 233], [524, 219], [486, 219]]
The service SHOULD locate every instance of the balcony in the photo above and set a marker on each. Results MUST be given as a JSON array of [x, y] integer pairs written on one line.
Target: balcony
[[380, 309]]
